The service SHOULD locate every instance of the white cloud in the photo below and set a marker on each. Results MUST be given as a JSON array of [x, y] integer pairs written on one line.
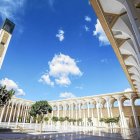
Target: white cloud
[[79, 87], [60, 35], [127, 90], [67, 95], [105, 60], [51, 2], [61, 67], [9, 8], [99, 32], [63, 80], [87, 18], [86, 28], [89, 2], [10, 84], [46, 79]]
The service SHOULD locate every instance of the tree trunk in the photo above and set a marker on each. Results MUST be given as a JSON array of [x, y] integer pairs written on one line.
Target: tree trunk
[[41, 126], [42, 118]]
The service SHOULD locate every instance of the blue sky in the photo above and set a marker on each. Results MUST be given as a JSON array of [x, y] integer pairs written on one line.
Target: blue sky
[[58, 50]]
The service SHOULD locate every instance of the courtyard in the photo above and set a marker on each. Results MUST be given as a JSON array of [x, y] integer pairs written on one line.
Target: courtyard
[[94, 134]]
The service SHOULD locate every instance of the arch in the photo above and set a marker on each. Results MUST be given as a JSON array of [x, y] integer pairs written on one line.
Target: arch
[[130, 61], [127, 48], [137, 102], [126, 102], [55, 107], [117, 7]]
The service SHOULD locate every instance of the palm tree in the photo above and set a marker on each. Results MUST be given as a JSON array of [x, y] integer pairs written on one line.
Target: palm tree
[[5, 95]]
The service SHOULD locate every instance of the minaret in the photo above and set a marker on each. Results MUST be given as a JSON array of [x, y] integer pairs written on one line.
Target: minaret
[[5, 36]]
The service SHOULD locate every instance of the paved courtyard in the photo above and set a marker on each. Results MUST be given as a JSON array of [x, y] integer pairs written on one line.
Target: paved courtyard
[[98, 134]]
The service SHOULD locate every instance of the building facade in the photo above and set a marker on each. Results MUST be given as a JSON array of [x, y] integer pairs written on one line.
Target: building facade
[[5, 37], [122, 104], [120, 20]]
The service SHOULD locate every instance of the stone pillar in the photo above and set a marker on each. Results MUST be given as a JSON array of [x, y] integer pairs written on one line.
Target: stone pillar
[[51, 117], [88, 109], [14, 113], [118, 97], [79, 110], [7, 111], [97, 108], [111, 113], [72, 110], [107, 98], [69, 111], [22, 112], [58, 111], [84, 116], [130, 97], [76, 109], [11, 111], [24, 115], [18, 113], [64, 111], [2, 113], [92, 114], [134, 113], [100, 109]]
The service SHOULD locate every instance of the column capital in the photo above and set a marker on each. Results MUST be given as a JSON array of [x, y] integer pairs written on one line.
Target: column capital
[[130, 95], [107, 98], [118, 97], [97, 100]]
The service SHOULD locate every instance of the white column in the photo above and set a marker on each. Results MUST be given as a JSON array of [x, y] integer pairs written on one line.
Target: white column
[[11, 113], [72, 110], [18, 113], [101, 108], [118, 97], [76, 110], [58, 110], [134, 113], [97, 108], [130, 97], [107, 98], [84, 116], [2, 113], [24, 115], [14, 113], [51, 117], [69, 111], [92, 114], [88, 108], [64, 111], [22, 112], [79, 110], [7, 111], [111, 113]]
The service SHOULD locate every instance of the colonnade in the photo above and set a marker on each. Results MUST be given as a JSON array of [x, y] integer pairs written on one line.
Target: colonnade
[[89, 109], [17, 111], [97, 107]]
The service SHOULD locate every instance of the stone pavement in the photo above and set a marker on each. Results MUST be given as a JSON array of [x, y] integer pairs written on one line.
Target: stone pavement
[[97, 134]]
